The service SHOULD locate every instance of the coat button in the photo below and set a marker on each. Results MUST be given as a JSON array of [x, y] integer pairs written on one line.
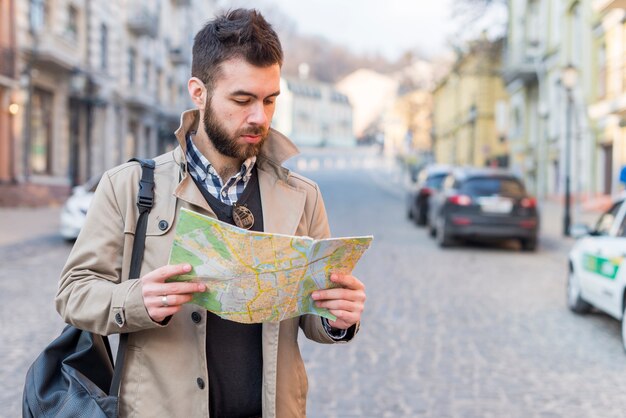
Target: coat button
[[118, 318], [200, 383], [163, 225], [195, 317]]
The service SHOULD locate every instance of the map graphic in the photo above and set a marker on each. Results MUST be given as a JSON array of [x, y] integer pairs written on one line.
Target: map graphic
[[255, 277]]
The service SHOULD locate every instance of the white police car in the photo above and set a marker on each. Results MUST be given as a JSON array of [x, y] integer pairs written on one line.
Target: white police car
[[597, 266]]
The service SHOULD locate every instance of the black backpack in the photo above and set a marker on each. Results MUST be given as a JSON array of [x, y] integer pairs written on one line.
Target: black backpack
[[75, 376]]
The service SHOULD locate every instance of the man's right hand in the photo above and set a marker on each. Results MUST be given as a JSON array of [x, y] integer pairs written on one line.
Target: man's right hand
[[155, 291]]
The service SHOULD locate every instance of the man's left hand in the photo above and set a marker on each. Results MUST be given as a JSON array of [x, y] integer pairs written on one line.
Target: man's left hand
[[345, 302]]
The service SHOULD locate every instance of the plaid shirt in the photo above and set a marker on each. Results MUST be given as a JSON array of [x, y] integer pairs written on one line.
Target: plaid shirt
[[204, 173]]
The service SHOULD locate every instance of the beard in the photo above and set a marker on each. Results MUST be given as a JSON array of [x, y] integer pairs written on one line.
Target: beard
[[226, 144]]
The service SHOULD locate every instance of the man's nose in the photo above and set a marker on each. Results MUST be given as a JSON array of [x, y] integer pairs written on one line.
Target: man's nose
[[257, 115]]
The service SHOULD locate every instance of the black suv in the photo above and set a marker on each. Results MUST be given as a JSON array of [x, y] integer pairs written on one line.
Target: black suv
[[483, 203]]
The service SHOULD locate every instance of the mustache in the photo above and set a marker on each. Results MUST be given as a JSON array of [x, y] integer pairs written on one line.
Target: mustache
[[254, 130]]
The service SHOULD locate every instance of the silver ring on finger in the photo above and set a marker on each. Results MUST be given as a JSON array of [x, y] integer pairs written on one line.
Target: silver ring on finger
[[164, 301]]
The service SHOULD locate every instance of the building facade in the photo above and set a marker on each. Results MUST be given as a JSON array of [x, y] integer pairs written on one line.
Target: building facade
[[469, 102], [99, 83], [549, 73], [312, 113], [608, 109], [9, 84]]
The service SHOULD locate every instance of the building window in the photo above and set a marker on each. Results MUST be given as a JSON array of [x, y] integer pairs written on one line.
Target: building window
[[71, 29], [37, 15], [41, 133], [146, 73], [132, 64], [104, 47], [602, 73]]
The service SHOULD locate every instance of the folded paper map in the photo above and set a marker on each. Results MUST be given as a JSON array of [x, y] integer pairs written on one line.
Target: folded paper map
[[255, 277]]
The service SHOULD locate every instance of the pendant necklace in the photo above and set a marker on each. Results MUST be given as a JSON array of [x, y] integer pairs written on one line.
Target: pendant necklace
[[242, 216]]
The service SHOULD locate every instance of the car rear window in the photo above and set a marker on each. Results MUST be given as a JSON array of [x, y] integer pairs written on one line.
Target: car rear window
[[490, 186], [435, 180]]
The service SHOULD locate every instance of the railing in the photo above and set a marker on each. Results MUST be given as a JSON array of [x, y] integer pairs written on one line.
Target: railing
[[7, 62]]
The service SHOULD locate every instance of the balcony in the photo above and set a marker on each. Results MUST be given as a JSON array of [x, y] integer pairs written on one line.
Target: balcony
[[520, 62], [7, 62], [180, 55], [606, 5], [142, 22]]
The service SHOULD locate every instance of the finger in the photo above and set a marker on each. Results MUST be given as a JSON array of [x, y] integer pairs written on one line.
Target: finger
[[160, 313], [162, 273], [340, 304], [172, 300], [344, 317], [339, 293], [347, 280], [173, 288]]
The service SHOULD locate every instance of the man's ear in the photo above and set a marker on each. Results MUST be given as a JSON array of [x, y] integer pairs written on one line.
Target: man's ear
[[197, 92]]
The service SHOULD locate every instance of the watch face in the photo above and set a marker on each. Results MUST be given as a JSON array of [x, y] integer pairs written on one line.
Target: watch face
[[243, 217]]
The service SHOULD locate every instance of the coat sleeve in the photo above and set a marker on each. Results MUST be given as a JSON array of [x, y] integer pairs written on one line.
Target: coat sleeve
[[91, 294], [319, 229]]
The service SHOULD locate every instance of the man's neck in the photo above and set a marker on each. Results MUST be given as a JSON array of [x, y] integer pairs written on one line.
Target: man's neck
[[225, 166]]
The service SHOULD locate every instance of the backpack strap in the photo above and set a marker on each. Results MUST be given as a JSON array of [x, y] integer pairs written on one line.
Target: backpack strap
[[145, 201]]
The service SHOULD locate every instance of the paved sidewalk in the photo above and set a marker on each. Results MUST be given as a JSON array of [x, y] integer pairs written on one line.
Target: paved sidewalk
[[551, 227], [26, 224]]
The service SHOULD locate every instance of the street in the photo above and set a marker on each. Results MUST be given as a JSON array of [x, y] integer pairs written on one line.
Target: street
[[479, 330]]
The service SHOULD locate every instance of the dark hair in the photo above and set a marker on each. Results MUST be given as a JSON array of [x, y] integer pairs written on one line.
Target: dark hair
[[237, 33]]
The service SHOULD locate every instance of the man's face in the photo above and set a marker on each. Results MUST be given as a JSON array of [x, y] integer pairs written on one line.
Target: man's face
[[239, 111]]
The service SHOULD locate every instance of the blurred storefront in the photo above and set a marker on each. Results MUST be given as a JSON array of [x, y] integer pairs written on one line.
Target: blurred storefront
[[92, 85]]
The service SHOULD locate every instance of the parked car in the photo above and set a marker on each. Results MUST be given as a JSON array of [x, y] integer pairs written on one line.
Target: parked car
[[489, 203], [597, 272], [75, 209], [429, 180]]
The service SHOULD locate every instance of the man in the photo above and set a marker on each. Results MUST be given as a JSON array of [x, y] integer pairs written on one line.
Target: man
[[183, 361]]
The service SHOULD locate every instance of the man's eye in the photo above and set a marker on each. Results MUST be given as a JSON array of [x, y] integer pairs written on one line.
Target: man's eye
[[241, 101], [269, 101]]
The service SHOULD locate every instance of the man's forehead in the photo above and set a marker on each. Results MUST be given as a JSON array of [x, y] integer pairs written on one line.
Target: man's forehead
[[239, 75]]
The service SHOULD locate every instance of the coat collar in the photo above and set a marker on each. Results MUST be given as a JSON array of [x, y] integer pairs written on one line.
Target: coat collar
[[283, 204]]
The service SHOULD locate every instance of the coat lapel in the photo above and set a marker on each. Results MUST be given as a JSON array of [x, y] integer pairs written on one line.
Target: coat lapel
[[283, 205]]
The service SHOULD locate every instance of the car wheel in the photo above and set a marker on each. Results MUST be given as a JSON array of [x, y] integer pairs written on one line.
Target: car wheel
[[528, 244], [420, 217], [443, 236], [624, 328], [575, 302], [432, 232]]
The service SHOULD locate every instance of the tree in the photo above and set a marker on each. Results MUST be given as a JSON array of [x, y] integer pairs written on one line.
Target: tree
[[471, 17]]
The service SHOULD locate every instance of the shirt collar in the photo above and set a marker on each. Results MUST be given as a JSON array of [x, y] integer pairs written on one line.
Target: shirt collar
[[203, 167]]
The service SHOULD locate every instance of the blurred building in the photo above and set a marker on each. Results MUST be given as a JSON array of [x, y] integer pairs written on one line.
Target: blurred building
[[608, 109], [469, 102], [312, 113], [9, 107], [371, 95], [549, 71], [99, 83], [407, 126]]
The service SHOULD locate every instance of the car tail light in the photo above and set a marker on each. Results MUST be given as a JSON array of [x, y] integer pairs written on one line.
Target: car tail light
[[460, 200], [528, 202], [528, 223], [427, 191], [461, 220]]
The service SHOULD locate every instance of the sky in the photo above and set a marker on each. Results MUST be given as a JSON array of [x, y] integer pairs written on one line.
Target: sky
[[389, 27]]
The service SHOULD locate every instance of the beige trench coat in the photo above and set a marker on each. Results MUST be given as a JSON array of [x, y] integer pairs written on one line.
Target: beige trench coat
[[166, 365]]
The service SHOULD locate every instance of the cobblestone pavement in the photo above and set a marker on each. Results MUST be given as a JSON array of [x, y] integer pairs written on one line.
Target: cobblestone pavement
[[471, 331]]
